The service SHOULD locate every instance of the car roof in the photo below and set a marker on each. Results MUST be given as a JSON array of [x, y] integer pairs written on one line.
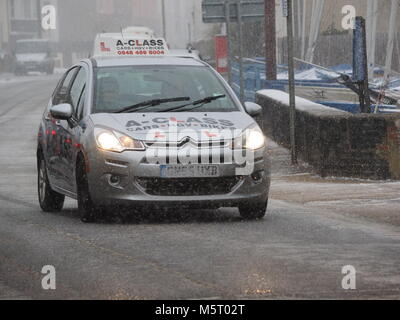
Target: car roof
[[137, 61]]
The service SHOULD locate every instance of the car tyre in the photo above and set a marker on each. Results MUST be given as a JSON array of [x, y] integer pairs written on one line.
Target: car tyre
[[49, 200], [253, 211], [86, 207]]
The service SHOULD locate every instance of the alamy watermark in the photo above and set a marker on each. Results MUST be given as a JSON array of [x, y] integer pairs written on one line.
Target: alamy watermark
[[49, 278], [349, 280], [348, 20], [49, 17]]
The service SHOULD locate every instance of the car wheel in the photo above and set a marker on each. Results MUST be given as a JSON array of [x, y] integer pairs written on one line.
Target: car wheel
[[86, 207], [49, 200], [253, 211]]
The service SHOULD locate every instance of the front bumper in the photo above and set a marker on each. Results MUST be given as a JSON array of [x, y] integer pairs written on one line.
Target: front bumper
[[140, 183]]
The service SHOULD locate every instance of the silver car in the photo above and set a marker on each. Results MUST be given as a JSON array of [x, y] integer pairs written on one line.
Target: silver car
[[150, 132]]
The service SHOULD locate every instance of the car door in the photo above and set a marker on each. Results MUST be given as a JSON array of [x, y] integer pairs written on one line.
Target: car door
[[50, 130], [69, 134], [54, 131]]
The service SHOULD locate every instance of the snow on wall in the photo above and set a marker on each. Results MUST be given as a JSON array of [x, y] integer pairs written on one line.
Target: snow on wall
[[301, 104]]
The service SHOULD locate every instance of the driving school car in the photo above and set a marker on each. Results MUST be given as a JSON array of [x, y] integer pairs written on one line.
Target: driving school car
[[150, 131]]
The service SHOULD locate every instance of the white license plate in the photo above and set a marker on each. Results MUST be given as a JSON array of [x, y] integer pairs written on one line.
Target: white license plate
[[189, 171]]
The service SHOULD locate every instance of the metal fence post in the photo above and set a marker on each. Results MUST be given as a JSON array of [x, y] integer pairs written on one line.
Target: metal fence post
[[227, 23], [292, 96], [240, 31]]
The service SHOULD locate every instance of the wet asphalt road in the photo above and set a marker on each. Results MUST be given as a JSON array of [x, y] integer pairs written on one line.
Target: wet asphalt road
[[295, 252]]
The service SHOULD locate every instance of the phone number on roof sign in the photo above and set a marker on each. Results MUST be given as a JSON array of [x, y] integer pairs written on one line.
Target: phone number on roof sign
[[140, 52]]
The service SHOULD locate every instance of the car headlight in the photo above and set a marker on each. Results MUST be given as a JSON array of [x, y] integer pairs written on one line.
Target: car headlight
[[111, 140], [252, 138]]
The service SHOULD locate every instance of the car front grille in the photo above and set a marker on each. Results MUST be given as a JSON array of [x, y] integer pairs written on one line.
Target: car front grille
[[200, 159], [188, 186], [195, 144]]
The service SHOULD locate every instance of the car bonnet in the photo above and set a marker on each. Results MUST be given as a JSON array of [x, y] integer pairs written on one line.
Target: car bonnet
[[198, 126]]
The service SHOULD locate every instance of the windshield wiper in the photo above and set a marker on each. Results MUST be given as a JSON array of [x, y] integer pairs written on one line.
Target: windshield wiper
[[150, 103], [197, 103]]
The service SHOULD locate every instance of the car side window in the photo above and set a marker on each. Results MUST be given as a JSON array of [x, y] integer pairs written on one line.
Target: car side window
[[59, 83], [77, 88], [81, 105], [62, 93]]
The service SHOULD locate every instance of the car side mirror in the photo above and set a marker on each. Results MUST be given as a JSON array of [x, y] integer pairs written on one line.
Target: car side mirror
[[62, 111], [253, 109]]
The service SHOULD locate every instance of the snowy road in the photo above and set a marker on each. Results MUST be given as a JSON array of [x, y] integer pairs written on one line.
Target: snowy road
[[297, 251]]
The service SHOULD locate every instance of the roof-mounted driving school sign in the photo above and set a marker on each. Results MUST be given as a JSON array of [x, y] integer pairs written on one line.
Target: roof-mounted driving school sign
[[115, 44], [214, 10]]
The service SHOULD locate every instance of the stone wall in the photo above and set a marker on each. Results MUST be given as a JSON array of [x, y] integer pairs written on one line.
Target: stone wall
[[334, 142]]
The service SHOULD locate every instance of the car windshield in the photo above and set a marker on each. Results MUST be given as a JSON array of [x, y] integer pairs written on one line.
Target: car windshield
[[32, 47], [120, 87]]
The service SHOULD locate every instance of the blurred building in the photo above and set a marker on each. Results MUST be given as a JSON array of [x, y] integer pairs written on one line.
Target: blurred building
[[332, 15], [184, 23], [183, 20], [3, 25], [79, 21], [18, 19]]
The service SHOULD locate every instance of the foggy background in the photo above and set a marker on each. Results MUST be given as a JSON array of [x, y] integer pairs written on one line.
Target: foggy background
[[78, 21]]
